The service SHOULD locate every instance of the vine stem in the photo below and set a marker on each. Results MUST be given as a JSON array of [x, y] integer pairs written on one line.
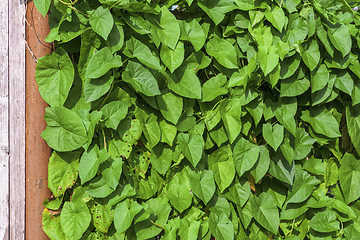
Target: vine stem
[[70, 5], [213, 108], [115, 4], [342, 228], [292, 227], [154, 223], [102, 130], [107, 96]]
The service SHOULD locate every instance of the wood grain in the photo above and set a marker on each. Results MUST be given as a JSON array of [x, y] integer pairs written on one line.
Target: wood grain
[[4, 121], [17, 118]]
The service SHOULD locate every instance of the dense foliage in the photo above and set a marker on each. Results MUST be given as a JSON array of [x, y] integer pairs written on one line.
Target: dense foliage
[[236, 119]]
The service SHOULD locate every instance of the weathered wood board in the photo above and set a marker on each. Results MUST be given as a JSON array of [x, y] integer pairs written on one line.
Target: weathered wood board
[[12, 119], [4, 120]]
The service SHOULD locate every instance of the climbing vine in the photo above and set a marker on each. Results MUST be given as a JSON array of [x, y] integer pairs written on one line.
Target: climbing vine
[[202, 119]]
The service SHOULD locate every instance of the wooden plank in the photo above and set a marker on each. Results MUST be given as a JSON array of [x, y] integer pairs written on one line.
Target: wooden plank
[[17, 118], [37, 151], [4, 122]]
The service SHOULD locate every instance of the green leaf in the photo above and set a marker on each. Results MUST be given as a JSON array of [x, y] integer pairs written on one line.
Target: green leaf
[[168, 132], [325, 93], [239, 191], [262, 165], [189, 229], [349, 176], [137, 49], [103, 217], [263, 37], [191, 146], [303, 187], [293, 211], [42, 6], [230, 112], [212, 114], [54, 76], [178, 194], [291, 5], [265, 212], [141, 79], [293, 87], [65, 130], [239, 78], [221, 227], [332, 169], [96, 88], [114, 112], [90, 162], [285, 111], [245, 155], [136, 22], [62, 171], [276, 17], [171, 106], [298, 29], [157, 211], [202, 184], [344, 82], [281, 169], [353, 125], [319, 78], [223, 51], [172, 58], [268, 59], [151, 130], [51, 225], [115, 40], [325, 40], [102, 21], [98, 188], [341, 207], [75, 218], [195, 34], [315, 166], [197, 61], [89, 45], [218, 135], [161, 158], [256, 109], [311, 56], [273, 135], [130, 130], [222, 164], [94, 119], [303, 144], [185, 83], [112, 172], [124, 214], [101, 62], [289, 66], [341, 39], [328, 217], [322, 121], [219, 205], [169, 32], [214, 87], [287, 150], [246, 214], [216, 10]]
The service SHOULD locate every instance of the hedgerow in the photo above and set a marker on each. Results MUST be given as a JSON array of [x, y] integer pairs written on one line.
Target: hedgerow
[[200, 119]]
